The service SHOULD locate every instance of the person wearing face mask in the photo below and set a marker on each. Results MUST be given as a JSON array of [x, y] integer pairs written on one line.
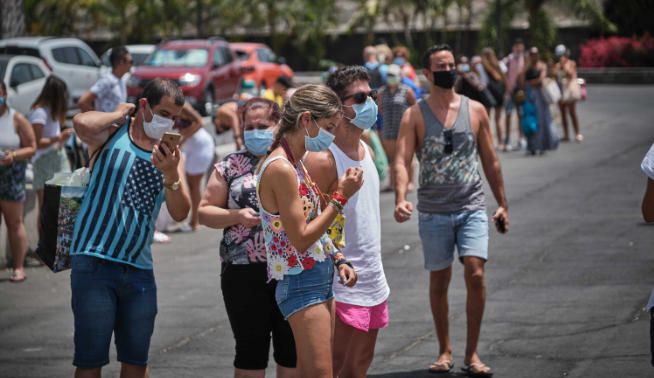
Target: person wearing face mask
[[361, 311], [230, 203], [17, 146], [110, 90], [112, 279], [401, 58], [449, 132], [299, 253], [393, 99]]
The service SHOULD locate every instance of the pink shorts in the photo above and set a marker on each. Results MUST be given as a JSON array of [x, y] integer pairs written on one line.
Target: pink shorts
[[361, 317]]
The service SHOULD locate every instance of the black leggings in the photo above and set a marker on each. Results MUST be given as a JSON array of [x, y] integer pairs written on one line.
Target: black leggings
[[254, 317]]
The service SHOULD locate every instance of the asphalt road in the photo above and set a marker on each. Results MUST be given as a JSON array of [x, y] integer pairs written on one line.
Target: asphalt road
[[566, 286]]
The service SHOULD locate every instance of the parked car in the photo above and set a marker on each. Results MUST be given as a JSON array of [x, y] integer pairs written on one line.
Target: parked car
[[69, 58], [139, 54], [206, 70], [24, 77], [259, 63]]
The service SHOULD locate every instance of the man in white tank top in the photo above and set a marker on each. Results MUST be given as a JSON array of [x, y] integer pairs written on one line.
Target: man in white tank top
[[361, 310]]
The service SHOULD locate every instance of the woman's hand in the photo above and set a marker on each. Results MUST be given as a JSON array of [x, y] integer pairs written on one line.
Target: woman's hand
[[248, 217], [350, 182], [347, 274]]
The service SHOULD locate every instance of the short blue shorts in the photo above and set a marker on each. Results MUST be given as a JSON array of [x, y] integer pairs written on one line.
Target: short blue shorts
[[299, 291], [440, 233], [111, 298]]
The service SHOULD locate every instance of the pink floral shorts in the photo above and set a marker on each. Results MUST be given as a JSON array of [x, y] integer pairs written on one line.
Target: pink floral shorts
[[361, 317]]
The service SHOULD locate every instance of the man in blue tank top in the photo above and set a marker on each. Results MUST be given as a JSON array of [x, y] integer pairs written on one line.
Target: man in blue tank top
[[447, 132], [112, 281]]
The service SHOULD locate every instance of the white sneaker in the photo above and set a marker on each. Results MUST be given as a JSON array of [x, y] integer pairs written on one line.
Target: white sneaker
[[160, 237]]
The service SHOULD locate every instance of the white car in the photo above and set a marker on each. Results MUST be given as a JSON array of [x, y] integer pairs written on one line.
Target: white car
[[24, 77], [69, 58]]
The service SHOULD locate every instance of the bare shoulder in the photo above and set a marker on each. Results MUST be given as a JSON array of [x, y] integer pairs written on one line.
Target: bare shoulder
[[319, 161], [20, 119], [476, 107]]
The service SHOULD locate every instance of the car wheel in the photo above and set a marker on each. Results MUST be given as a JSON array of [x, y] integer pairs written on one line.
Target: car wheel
[[208, 101]]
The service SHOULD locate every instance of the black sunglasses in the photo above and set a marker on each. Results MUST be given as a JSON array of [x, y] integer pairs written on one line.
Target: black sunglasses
[[449, 146], [361, 97]]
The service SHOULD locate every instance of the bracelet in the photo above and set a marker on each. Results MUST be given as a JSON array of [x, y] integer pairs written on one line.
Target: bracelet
[[337, 205], [340, 198], [343, 261]]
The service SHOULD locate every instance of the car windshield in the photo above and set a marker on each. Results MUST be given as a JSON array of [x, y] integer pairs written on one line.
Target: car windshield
[[178, 58], [139, 58]]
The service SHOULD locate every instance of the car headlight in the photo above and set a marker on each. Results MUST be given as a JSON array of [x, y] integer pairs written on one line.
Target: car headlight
[[133, 81], [189, 79]]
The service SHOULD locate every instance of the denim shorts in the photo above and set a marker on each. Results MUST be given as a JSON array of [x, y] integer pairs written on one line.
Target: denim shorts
[[299, 291], [111, 298], [440, 233]]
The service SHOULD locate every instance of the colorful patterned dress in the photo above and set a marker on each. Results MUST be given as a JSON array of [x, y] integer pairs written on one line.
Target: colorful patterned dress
[[282, 257]]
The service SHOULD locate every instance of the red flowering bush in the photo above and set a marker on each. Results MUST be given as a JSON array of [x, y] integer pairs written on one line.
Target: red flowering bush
[[618, 52]]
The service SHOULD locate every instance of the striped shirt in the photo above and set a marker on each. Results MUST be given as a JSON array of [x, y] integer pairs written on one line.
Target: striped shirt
[[120, 207]]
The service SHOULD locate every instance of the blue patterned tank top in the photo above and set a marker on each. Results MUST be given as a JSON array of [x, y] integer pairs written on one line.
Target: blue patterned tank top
[[121, 204]]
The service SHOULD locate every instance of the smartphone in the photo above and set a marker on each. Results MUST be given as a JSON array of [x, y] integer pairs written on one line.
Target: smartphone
[[499, 224], [171, 139]]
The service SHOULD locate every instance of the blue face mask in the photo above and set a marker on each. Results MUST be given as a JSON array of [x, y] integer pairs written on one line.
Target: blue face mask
[[258, 141], [399, 61], [366, 114], [2, 100], [320, 142]]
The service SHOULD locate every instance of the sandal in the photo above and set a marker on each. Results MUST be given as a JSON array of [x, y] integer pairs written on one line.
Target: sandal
[[441, 367], [17, 278], [477, 369]]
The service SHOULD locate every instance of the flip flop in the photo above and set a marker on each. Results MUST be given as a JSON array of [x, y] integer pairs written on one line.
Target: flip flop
[[441, 367], [477, 369]]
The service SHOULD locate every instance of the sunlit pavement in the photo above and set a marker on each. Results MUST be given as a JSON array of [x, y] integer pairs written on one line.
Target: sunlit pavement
[[566, 286]]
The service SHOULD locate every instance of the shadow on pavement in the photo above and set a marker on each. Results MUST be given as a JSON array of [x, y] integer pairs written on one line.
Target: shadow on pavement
[[422, 373]]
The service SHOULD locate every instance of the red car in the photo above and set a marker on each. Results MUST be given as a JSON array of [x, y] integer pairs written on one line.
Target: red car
[[260, 64], [207, 71]]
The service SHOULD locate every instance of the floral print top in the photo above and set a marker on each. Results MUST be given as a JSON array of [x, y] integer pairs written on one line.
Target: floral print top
[[282, 257], [240, 244]]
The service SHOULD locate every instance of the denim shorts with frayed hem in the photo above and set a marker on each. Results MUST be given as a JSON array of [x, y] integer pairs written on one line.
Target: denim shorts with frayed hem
[[441, 233], [299, 291], [110, 298]]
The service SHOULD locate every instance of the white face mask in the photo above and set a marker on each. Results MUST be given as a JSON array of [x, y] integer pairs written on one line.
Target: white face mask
[[159, 125]]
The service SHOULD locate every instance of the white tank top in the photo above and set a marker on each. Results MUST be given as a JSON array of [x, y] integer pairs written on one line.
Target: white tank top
[[9, 139], [362, 235]]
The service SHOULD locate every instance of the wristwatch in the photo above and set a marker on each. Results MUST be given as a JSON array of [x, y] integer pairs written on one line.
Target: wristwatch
[[174, 186]]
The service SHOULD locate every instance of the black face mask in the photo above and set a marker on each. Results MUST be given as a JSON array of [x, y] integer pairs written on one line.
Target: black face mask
[[444, 79]]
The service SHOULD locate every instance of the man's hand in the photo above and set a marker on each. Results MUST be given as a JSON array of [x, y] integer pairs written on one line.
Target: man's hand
[[403, 211], [125, 108], [166, 161], [248, 217], [501, 216], [347, 274]]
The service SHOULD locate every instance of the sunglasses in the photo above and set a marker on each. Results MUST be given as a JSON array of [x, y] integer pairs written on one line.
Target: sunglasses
[[449, 146], [361, 97]]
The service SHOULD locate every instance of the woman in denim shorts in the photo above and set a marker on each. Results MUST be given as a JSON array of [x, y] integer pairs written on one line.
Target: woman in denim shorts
[[300, 255], [230, 202], [17, 146]]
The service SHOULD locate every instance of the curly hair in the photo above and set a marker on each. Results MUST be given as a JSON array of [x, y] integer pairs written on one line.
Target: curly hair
[[344, 76]]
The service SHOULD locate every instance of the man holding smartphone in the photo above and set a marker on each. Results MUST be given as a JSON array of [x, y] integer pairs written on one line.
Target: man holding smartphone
[[112, 280], [448, 132]]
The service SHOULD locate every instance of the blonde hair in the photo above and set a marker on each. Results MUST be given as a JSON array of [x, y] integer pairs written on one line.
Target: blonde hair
[[319, 100]]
